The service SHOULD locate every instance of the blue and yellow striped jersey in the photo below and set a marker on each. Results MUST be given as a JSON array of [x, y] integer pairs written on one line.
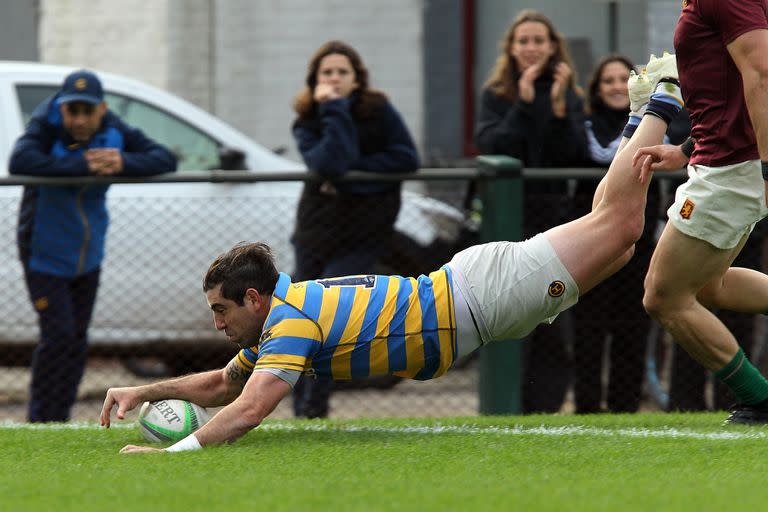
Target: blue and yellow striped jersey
[[359, 326]]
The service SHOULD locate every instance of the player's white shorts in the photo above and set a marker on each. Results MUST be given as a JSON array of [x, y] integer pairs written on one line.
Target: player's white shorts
[[511, 287], [720, 204]]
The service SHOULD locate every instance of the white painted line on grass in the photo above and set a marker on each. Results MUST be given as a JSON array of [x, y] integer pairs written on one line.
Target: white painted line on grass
[[519, 430], [514, 430], [74, 425]]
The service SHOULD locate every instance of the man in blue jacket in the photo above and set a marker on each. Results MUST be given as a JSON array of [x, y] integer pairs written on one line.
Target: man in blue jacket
[[62, 229]]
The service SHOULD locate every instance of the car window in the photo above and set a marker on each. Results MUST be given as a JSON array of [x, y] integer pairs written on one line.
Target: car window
[[194, 149], [30, 96]]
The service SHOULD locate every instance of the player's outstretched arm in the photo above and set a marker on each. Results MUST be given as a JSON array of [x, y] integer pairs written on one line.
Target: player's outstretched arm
[[125, 399], [259, 398], [207, 389]]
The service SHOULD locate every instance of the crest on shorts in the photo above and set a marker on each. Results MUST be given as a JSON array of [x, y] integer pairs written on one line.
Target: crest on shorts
[[687, 210], [685, 3], [556, 288]]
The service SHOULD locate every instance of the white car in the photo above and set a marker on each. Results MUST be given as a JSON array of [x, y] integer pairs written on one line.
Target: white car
[[162, 237]]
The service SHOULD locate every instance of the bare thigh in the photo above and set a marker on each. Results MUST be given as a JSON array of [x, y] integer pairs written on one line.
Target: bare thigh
[[591, 248], [682, 265]]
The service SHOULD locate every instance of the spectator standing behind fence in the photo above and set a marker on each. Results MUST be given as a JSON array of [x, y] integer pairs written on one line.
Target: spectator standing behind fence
[[617, 307], [344, 228], [62, 229], [531, 110]]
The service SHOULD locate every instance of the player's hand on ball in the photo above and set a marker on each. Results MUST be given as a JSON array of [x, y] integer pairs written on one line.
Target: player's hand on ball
[[125, 399], [132, 448]]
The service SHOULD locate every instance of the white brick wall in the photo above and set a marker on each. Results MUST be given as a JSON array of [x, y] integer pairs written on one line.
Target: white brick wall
[[662, 16], [126, 37], [263, 47], [190, 50], [260, 50]]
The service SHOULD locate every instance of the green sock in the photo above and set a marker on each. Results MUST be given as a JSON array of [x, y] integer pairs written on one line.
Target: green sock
[[744, 380]]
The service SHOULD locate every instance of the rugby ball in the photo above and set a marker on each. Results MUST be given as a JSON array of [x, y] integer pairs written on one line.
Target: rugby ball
[[170, 420]]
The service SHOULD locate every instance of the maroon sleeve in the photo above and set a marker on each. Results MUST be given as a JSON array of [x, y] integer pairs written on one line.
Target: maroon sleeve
[[734, 17]]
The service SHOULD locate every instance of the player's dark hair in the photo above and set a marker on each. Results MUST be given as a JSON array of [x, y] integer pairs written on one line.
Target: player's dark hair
[[246, 265]]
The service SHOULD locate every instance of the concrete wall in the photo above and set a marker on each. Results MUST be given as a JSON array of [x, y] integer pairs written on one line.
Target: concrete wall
[[262, 50], [18, 30], [661, 18], [444, 74], [243, 60], [129, 37]]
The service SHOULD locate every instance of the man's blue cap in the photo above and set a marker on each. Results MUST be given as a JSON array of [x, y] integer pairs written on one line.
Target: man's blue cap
[[81, 85]]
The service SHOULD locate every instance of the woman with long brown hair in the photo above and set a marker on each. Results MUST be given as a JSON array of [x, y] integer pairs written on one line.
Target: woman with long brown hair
[[616, 309], [531, 110], [344, 228]]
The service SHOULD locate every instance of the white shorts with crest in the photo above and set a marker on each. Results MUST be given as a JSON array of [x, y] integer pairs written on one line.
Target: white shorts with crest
[[720, 204], [511, 287]]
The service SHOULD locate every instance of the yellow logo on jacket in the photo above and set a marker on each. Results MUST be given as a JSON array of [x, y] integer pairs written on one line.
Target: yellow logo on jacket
[[41, 304]]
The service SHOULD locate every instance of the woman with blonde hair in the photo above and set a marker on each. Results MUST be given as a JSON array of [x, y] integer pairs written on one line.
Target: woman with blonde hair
[[531, 109]]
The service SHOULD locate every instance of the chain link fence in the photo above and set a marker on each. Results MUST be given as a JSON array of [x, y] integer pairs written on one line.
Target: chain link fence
[[606, 354], [151, 319]]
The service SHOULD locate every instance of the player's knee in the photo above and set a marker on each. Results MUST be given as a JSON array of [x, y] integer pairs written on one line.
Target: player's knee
[[626, 222], [651, 304], [627, 228], [657, 304], [627, 233], [652, 299], [627, 255]]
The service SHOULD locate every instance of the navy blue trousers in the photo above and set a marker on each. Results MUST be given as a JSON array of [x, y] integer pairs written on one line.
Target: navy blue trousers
[[64, 307]]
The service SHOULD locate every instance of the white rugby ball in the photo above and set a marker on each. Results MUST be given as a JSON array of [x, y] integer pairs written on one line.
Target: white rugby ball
[[170, 420]]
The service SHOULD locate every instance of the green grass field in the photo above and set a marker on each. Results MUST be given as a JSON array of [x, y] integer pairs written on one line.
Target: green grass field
[[611, 462]]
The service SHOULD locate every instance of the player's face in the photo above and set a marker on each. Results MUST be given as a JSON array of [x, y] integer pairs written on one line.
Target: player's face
[[531, 45], [241, 324], [82, 120], [612, 87], [337, 71]]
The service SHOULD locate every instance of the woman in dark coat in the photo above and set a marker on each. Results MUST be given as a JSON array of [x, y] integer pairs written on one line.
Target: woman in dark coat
[[344, 228], [532, 110], [617, 307]]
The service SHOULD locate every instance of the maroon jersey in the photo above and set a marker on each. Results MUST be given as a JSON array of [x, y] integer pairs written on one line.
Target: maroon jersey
[[711, 82]]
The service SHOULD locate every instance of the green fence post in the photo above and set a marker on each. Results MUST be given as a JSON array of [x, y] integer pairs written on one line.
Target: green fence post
[[500, 365]]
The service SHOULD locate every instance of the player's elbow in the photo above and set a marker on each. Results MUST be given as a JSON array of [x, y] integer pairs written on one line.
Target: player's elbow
[[254, 418], [635, 228], [228, 392], [625, 222], [624, 258], [250, 417]]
